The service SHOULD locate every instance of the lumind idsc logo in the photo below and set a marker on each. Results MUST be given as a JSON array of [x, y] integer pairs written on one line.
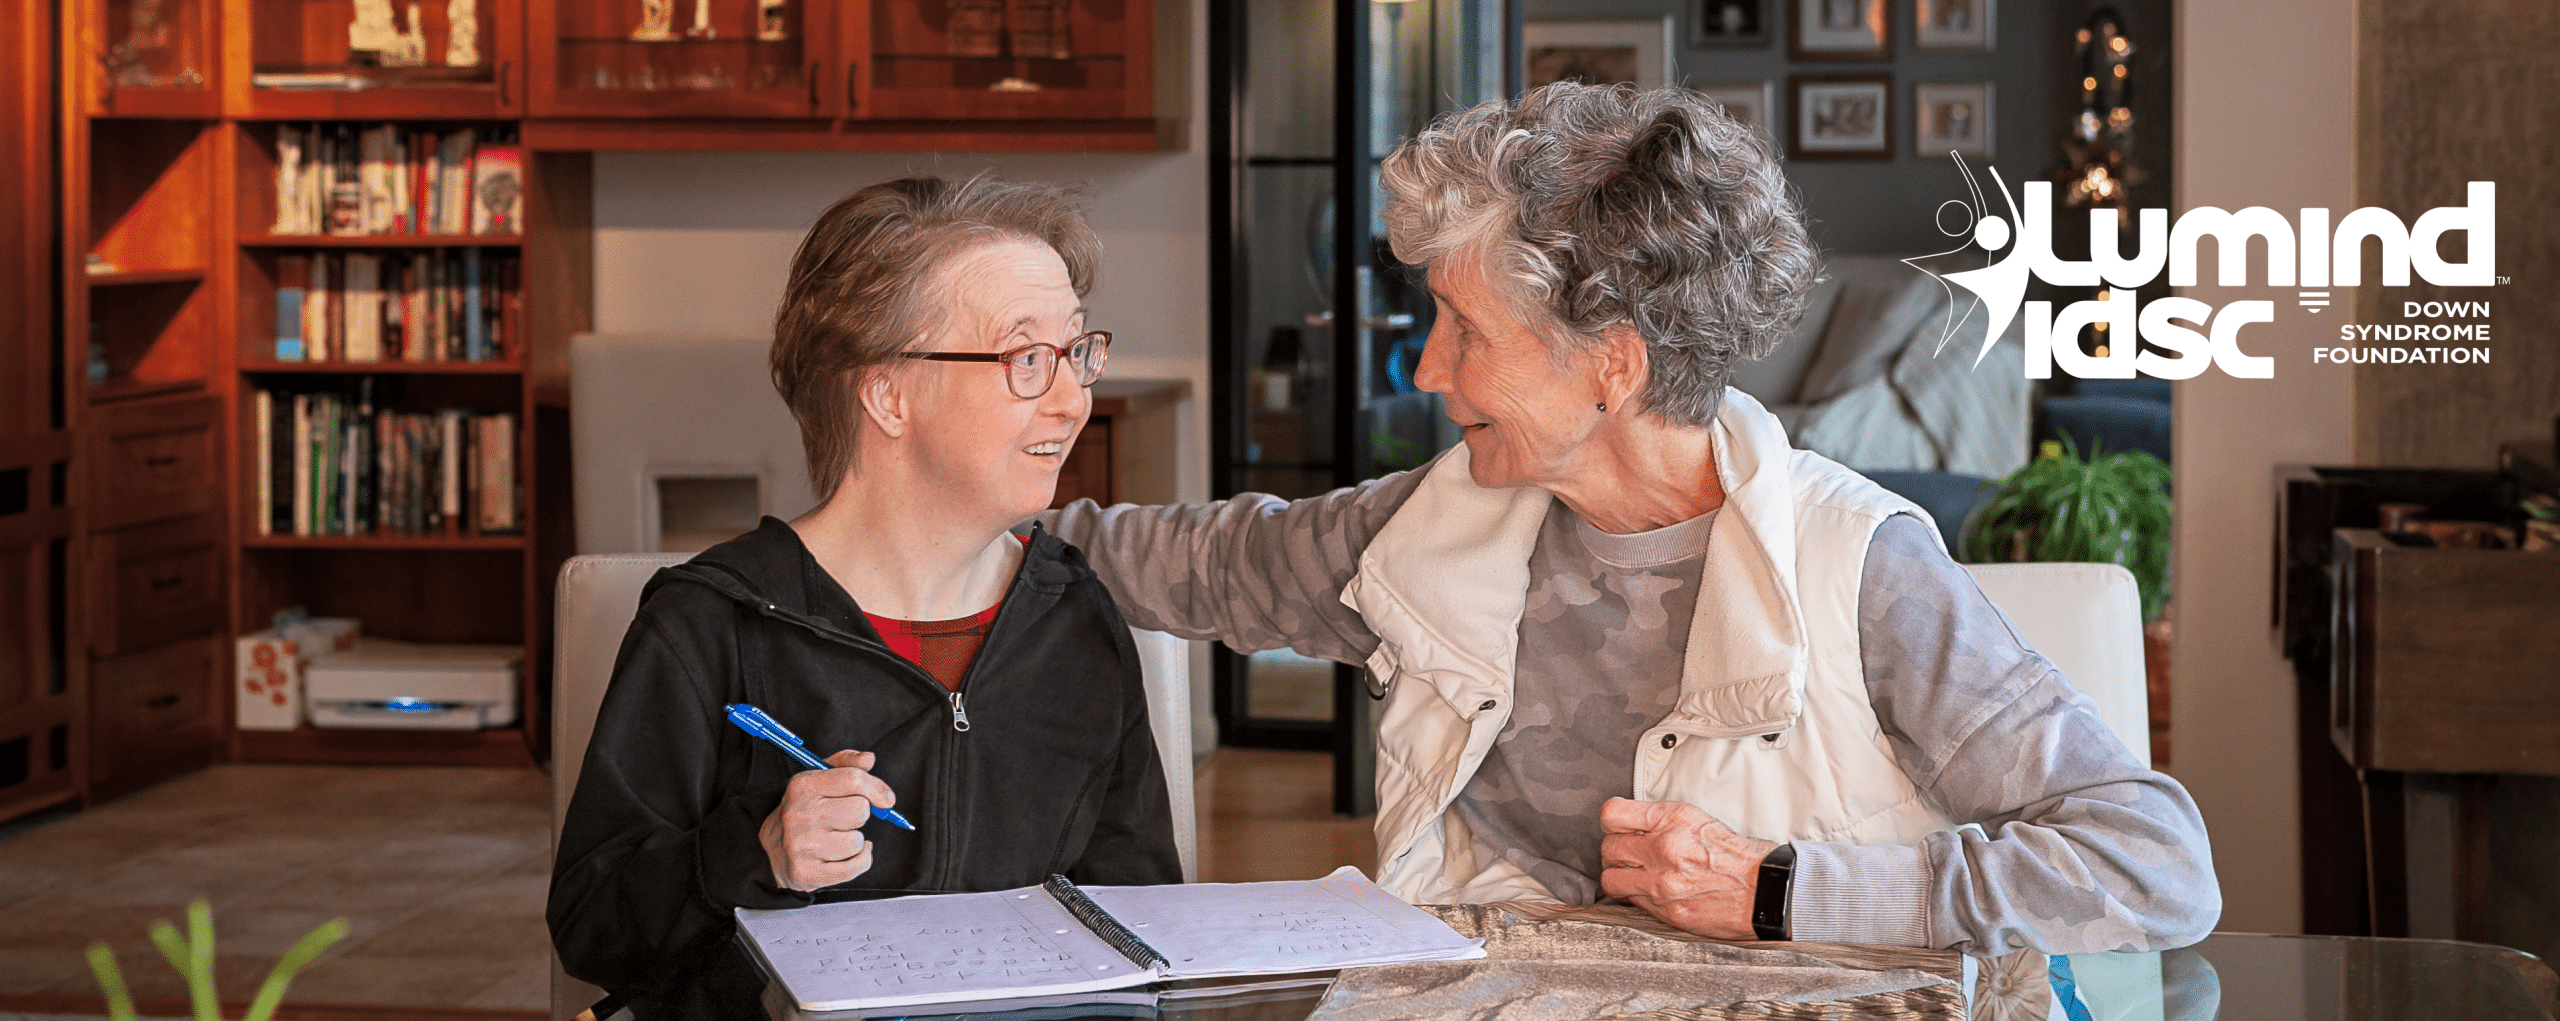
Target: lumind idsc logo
[[2192, 335]]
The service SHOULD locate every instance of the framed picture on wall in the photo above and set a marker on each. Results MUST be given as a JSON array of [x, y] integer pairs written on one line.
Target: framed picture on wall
[[1840, 30], [1730, 22], [1841, 117], [1952, 24], [1632, 50], [1751, 103], [1951, 117]]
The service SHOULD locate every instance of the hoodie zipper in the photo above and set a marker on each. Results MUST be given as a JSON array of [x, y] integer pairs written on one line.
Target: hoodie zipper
[[959, 713]]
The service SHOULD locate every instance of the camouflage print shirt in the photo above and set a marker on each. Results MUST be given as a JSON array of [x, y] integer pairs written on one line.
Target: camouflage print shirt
[[2080, 849]]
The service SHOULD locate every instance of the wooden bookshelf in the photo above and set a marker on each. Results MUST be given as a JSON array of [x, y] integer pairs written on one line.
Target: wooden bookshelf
[[163, 270]]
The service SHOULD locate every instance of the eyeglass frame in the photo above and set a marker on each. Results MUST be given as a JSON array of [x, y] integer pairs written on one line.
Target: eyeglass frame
[[1058, 357]]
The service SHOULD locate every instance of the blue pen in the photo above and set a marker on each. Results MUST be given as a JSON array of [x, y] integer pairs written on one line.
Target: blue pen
[[755, 722]]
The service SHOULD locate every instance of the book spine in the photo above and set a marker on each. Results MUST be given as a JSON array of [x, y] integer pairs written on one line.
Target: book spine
[[263, 407], [475, 343], [280, 489], [293, 277], [449, 472], [302, 464], [1064, 891]]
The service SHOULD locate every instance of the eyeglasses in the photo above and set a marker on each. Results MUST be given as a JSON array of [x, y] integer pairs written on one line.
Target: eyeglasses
[[1031, 369]]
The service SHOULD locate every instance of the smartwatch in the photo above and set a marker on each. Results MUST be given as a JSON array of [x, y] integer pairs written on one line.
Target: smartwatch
[[1769, 908]]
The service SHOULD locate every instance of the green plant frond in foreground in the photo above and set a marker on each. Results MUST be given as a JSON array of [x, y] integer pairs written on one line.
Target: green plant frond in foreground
[[2062, 508], [192, 956]]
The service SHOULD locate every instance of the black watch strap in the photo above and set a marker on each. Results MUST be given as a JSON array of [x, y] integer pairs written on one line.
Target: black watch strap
[[1769, 908]]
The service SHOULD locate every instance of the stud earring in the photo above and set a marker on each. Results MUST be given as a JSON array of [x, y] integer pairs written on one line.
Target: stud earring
[[1601, 405]]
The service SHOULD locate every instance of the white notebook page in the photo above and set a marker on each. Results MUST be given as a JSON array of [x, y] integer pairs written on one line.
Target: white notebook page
[[1340, 921], [933, 949]]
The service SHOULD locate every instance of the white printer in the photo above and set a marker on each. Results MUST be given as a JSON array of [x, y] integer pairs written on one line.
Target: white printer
[[387, 685]]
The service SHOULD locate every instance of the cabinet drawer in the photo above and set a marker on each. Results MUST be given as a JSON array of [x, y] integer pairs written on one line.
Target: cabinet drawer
[[153, 705], [153, 461], [154, 584]]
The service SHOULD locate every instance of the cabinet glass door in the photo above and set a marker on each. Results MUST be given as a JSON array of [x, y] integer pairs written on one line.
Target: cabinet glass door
[[148, 58], [683, 58], [1003, 59], [1319, 326], [377, 58]]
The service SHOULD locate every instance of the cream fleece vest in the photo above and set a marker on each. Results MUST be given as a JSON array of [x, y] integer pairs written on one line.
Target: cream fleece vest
[[1772, 734]]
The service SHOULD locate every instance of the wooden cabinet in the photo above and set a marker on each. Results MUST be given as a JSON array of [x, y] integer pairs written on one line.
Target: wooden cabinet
[[155, 714], [143, 58], [668, 59], [843, 74], [42, 678], [300, 59]]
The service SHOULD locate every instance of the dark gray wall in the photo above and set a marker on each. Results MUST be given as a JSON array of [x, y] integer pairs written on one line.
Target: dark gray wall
[[1886, 207]]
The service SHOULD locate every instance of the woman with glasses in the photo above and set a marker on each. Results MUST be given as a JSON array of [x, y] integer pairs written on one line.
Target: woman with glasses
[[977, 680]]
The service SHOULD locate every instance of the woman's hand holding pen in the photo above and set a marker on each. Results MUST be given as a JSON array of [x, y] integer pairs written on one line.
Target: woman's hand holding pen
[[814, 838]]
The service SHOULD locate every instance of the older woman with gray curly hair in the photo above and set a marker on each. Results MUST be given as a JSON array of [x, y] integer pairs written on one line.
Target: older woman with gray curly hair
[[1636, 645]]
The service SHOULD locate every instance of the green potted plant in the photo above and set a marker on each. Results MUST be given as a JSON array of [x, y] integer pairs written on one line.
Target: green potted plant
[[192, 956], [2060, 507]]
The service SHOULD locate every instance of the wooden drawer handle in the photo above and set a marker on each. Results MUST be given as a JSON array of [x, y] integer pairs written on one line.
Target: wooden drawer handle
[[161, 461], [161, 702], [165, 584]]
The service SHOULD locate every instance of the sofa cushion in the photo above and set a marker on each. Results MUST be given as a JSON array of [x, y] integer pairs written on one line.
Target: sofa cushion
[[1882, 301], [1776, 378]]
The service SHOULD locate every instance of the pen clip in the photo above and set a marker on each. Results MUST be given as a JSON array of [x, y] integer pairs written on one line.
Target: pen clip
[[754, 719]]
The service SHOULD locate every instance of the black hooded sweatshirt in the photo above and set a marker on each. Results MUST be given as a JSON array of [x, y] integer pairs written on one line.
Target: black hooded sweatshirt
[[1041, 763]]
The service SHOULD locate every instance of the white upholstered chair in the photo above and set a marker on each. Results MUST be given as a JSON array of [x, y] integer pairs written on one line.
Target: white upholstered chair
[[599, 594], [2087, 619]]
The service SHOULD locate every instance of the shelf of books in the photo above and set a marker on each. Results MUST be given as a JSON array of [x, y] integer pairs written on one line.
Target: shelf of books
[[383, 415]]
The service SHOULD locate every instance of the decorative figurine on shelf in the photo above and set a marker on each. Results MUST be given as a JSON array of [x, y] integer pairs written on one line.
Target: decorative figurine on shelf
[[462, 33], [372, 32], [655, 17], [769, 24], [702, 22], [409, 48]]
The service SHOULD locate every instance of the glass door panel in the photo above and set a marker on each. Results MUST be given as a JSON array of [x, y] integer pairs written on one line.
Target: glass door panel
[[1008, 60], [683, 58], [1319, 327], [380, 58], [149, 58]]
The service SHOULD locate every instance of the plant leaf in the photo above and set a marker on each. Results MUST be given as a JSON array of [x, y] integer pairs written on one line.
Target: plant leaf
[[300, 956], [102, 963]]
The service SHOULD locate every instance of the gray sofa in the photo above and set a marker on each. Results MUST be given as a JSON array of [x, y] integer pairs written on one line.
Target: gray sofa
[[1866, 382]]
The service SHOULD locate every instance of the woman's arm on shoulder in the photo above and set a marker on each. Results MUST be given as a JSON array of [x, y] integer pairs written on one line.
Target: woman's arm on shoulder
[[1255, 571], [651, 855], [2081, 848]]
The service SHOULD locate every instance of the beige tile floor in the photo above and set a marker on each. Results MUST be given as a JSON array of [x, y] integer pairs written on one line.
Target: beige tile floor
[[440, 874]]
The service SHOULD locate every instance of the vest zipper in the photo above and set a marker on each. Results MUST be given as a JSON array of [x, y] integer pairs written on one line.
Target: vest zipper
[[959, 712]]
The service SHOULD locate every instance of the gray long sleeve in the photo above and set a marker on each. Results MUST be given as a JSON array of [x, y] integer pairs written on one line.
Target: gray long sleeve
[[2081, 849]]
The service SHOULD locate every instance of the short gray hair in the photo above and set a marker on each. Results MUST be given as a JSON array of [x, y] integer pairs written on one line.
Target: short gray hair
[[1594, 206]]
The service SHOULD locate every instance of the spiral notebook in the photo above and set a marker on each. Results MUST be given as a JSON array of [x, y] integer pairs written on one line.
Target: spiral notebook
[[1058, 938]]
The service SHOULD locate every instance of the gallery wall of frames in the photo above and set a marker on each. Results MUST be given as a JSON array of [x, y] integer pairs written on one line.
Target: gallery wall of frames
[[1866, 98]]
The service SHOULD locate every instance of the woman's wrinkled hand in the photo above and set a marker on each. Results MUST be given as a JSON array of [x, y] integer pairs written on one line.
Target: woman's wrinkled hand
[[1681, 865], [814, 838]]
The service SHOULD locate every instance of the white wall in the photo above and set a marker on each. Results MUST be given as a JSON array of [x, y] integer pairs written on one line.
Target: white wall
[[700, 242], [2265, 117]]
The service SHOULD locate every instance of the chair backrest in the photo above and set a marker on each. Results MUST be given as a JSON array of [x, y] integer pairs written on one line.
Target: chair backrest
[[599, 594], [2087, 619]]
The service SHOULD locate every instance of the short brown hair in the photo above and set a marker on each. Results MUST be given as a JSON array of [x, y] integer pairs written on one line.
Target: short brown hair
[[859, 279]]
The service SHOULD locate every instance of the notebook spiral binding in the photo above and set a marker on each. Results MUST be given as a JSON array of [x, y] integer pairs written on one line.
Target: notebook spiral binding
[[1102, 924]]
